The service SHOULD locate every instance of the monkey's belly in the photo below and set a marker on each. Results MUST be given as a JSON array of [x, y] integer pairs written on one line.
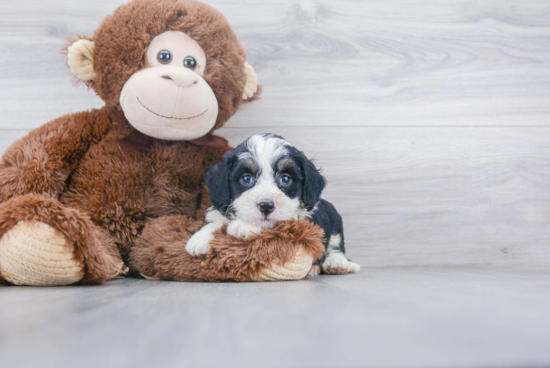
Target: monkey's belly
[[121, 194]]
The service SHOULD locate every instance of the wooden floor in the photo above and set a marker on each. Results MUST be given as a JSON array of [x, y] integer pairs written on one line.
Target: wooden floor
[[431, 120], [460, 316]]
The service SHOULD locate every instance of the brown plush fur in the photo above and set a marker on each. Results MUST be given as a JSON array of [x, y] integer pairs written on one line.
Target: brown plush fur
[[93, 245], [160, 252], [71, 175], [127, 33]]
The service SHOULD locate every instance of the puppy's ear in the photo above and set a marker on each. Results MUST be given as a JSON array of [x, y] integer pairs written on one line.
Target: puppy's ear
[[217, 181], [314, 183]]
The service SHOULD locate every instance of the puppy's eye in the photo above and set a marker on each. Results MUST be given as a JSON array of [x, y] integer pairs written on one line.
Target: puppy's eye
[[247, 180], [285, 180], [164, 57], [190, 62]]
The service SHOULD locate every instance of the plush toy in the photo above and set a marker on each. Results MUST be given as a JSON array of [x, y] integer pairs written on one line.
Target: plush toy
[[93, 195]]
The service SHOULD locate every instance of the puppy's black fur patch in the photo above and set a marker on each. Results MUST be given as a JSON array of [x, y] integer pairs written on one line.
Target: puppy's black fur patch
[[314, 182], [217, 181], [328, 219]]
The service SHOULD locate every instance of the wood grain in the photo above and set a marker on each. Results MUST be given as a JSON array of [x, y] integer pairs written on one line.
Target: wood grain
[[434, 195], [430, 119], [386, 317], [325, 63]]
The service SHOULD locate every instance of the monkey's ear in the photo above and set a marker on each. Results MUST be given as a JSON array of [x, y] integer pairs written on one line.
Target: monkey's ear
[[251, 86], [81, 60]]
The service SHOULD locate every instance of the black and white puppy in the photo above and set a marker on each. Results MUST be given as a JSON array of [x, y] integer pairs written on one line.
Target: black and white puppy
[[263, 181]]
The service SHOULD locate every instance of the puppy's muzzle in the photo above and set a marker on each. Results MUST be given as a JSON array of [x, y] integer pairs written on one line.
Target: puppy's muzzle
[[266, 207]]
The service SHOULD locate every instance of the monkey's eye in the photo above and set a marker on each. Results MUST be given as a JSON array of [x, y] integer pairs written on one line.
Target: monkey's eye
[[190, 62], [247, 180], [285, 180], [164, 57]]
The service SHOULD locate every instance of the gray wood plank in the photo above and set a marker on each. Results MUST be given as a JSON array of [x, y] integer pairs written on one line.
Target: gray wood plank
[[383, 317], [434, 195], [323, 63]]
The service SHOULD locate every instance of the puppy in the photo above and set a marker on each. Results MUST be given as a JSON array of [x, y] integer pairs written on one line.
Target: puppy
[[266, 180]]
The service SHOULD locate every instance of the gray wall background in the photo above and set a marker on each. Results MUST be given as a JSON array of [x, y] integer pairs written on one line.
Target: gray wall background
[[430, 119]]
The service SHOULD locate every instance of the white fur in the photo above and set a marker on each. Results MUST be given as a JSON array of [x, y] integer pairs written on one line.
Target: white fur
[[242, 229], [246, 205], [334, 243], [265, 151], [213, 215], [336, 262], [199, 243], [303, 213]]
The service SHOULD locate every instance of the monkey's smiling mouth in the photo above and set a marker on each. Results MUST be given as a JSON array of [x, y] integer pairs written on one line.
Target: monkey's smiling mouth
[[170, 117]]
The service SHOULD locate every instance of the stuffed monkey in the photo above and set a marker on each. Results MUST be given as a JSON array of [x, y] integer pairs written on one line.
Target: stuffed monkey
[[92, 195]]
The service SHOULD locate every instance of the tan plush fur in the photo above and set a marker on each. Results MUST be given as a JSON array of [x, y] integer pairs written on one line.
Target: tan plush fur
[[27, 242], [139, 209], [93, 246], [80, 59]]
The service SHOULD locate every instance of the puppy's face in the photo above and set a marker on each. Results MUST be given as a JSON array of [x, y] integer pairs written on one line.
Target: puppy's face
[[263, 181]]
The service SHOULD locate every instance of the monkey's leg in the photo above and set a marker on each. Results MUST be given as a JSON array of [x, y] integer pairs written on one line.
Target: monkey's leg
[[159, 251], [43, 242], [282, 253]]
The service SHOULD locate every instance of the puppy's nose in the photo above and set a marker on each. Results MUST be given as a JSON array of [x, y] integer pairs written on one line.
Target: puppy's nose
[[266, 207]]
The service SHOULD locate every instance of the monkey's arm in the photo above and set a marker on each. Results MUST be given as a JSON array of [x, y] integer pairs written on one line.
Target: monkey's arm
[[42, 161]]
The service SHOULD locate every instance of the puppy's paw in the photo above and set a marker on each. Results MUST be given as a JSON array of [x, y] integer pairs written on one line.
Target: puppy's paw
[[242, 230], [353, 267], [199, 243], [338, 264]]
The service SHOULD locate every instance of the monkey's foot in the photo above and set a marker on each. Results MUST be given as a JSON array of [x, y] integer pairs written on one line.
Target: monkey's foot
[[296, 269], [35, 254]]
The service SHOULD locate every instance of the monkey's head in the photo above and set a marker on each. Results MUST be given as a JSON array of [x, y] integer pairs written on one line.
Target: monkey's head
[[174, 67]]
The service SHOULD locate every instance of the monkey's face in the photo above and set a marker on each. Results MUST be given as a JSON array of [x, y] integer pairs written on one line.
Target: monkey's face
[[175, 68], [170, 99]]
